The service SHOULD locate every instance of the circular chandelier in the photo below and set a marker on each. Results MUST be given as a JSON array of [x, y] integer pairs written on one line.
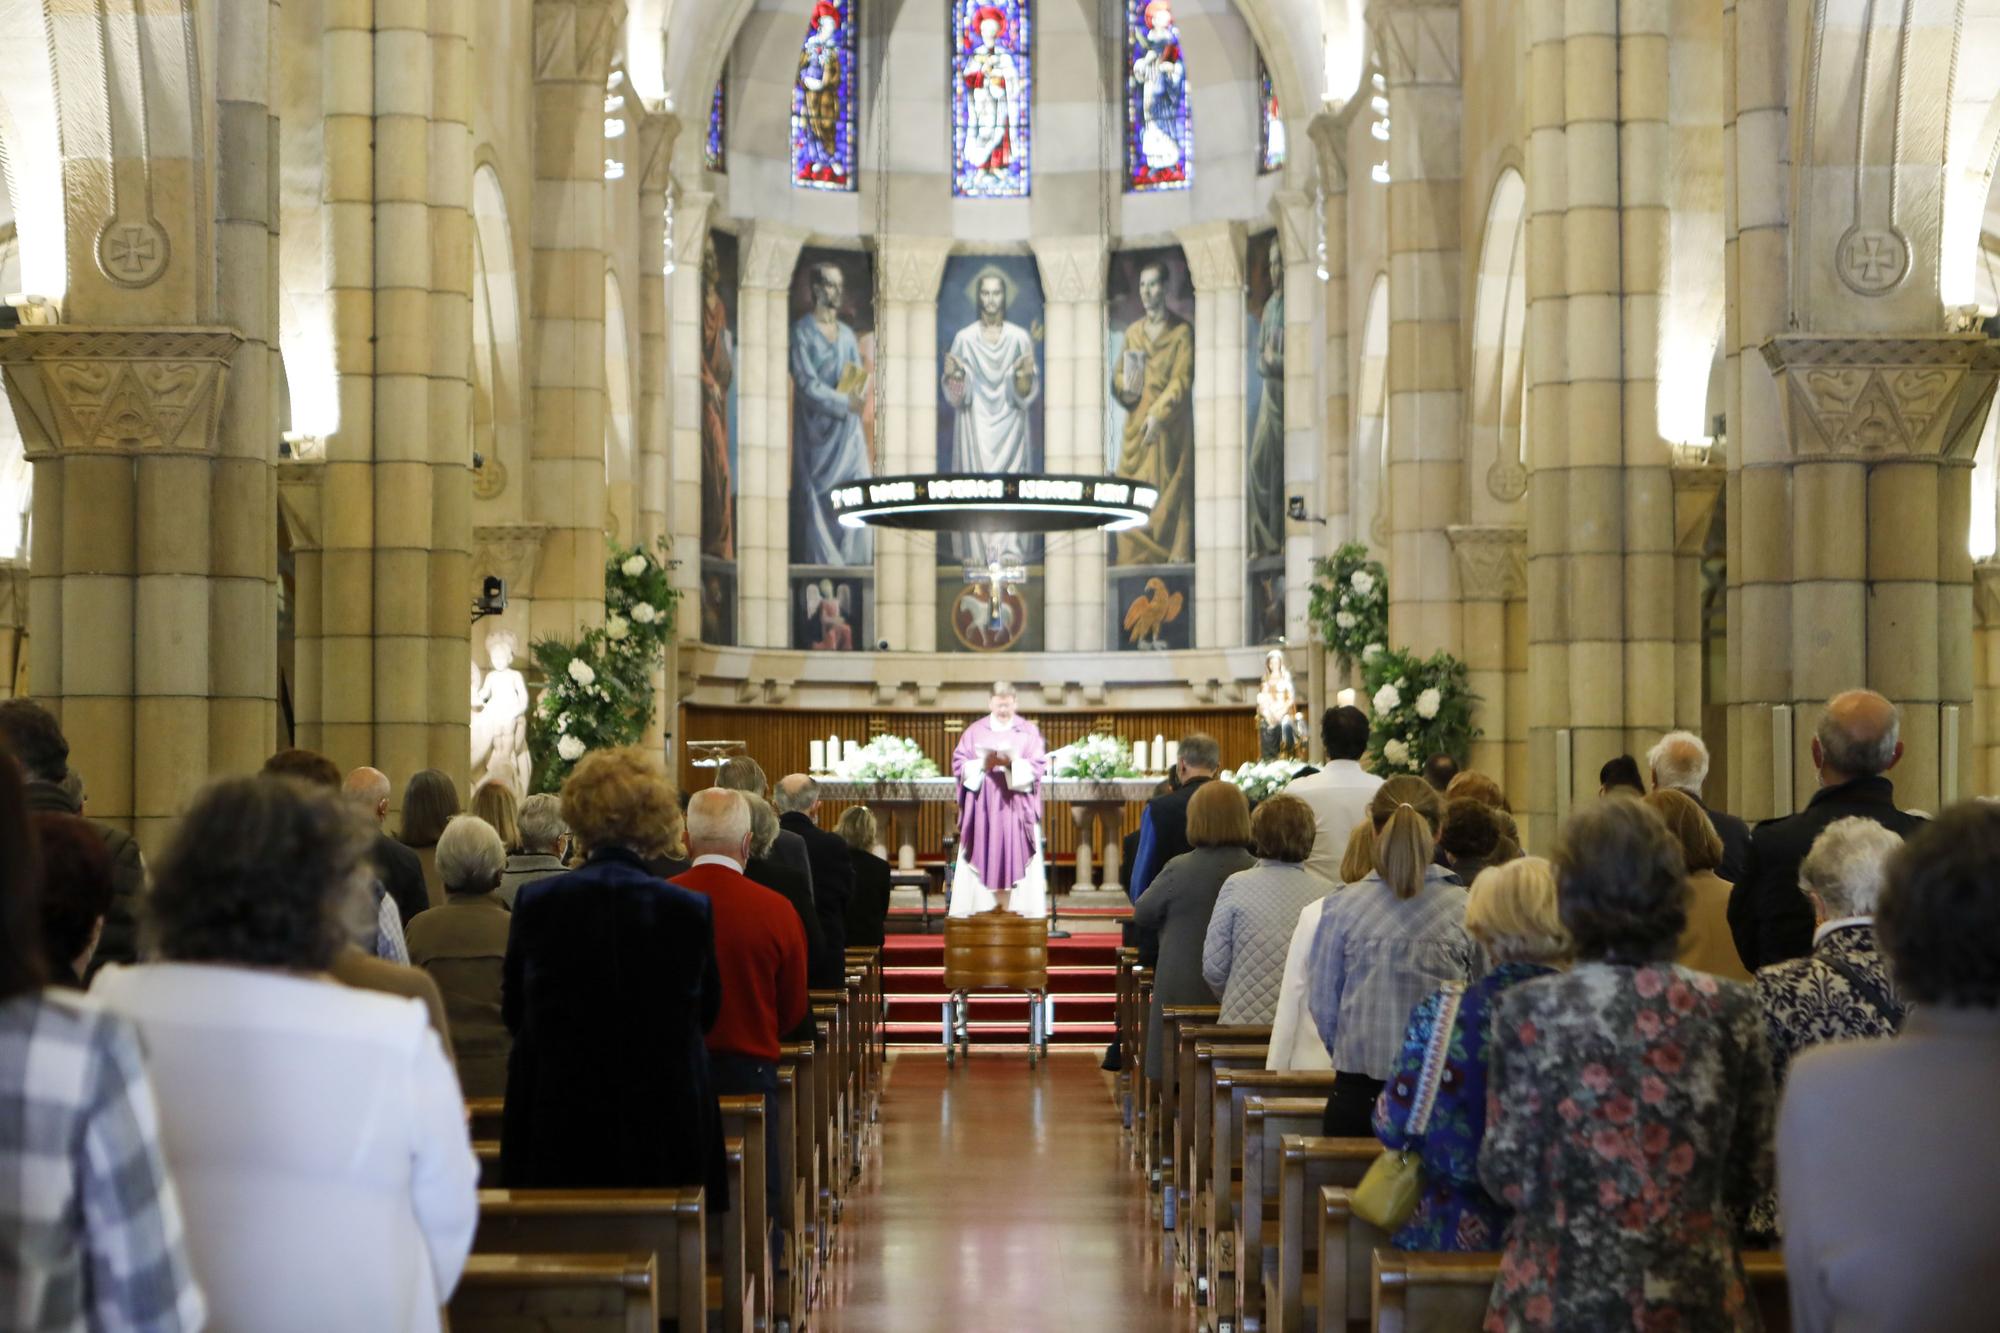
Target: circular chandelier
[[975, 502]]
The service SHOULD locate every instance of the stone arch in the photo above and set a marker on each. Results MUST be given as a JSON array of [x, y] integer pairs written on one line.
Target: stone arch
[[1497, 455], [1972, 149], [1370, 486]]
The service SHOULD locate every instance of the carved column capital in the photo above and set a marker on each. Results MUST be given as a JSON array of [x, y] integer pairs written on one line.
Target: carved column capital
[[1072, 267], [511, 550], [83, 390], [657, 132], [770, 253], [1873, 397], [576, 40], [1296, 230], [913, 266], [1215, 255], [1697, 490], [1328, 132], [1492, 561], [691, 210]]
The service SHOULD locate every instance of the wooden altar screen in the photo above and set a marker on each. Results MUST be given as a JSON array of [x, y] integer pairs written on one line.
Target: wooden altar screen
[[777, 738]]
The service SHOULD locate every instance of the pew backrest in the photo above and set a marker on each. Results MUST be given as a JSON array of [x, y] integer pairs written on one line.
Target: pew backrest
[[1447, 1293], [577, 1293], [667, 1223]]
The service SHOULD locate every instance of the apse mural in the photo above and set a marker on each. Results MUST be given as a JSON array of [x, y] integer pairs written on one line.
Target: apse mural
[[1264, 396], [1270, 121], [1154, 611], [827, 615], [992, 98], [824, 98], [832, 363], [718, 429], [714, 153], [990, 420], [1159, 140], [1149, 426]]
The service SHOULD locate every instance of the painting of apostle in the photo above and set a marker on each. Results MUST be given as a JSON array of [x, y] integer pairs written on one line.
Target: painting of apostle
[[1152, 379], [991, 381], [718, 396], [831, 369], [1265, 401]]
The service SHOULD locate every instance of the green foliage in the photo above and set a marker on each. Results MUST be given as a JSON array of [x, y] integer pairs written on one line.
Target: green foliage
[[1420, 706], [1348, 605], [597, 690]]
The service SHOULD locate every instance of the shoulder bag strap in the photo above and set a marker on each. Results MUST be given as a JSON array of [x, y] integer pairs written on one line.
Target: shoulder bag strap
[[1434, 1058], [1870, 990]]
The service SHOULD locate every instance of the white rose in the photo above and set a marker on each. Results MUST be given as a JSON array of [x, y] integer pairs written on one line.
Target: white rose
[[1387, 699], [1396, 752], [634, 566], [580, 672], [1427, 704], [562, 724], [1344, 619], [617, 628], [644, 613], [1363, 581], [1371, 652], [1402, 682], [570, 748]]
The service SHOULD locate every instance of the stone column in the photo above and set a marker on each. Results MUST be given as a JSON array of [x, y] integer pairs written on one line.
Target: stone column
[[13, 624], [682, 368], [653, 430], [1986, 678], [906, 566], [1697, 490], [137, 558], [1329, 144], [1881, 432], [1073, 570], [574, 43], [1298, 237], [763, 413], [1420, 50], [1493, 572], [1215, 252]]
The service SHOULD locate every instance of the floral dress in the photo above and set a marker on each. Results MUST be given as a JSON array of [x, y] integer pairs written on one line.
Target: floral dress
[[1454, 1211], [1628, 1123]]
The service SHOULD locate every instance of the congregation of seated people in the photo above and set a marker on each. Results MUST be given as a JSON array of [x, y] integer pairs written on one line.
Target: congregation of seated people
[[1670, 1039]]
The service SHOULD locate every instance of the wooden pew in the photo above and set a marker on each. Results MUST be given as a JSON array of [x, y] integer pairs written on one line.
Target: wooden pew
[[665, 1223], [541, 1293], [743, 1118], [1251, 1252], [482, 1116], [1145, 1094], [1125, 991], [1306, 1165], [1206, 1175], [1446, 1293], [1173, 1017], [726, 1284], [1347, 1246], [828, 1011], [488, 1153], [788, 1290], [1231, 1094]]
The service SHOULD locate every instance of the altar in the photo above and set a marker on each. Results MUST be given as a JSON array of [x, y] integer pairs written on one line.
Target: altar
[[1095, 805]]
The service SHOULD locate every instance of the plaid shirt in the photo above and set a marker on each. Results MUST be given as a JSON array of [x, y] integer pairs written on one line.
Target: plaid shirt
[[1375, 956], [90, 1231]]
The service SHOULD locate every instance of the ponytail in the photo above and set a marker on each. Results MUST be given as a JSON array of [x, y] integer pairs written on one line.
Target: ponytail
[[1405, 813]]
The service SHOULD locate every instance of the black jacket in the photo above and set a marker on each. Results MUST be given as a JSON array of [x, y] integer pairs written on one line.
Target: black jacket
[[1735, 835], [1168, 812], [1771, 919], [609, 989], [825, 969], [832, 876], [868, 909], [120, 942], [402, 876]]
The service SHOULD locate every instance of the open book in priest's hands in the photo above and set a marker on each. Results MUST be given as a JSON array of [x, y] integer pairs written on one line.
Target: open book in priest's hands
[[999, 759]]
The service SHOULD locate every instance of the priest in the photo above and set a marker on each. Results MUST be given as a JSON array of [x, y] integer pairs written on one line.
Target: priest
[[999, 763]]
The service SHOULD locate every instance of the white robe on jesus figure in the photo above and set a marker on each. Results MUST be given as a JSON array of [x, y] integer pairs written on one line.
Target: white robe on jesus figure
[[990, 435]]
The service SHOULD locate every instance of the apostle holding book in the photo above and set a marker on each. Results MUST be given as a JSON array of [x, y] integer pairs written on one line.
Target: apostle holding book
[[1000, 762]]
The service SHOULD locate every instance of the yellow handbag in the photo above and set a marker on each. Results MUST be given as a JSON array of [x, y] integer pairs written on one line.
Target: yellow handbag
[[1387, 1195]]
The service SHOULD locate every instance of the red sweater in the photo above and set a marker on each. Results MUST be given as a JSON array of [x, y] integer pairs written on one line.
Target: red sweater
[[760, 953]]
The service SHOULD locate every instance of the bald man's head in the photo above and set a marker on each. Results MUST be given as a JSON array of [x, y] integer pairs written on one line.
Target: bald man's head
[[795, 793], [1859, 736], [718, 824], [369, 788]]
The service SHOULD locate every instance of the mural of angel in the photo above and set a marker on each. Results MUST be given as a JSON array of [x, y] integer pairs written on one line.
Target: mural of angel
[[828, 607]]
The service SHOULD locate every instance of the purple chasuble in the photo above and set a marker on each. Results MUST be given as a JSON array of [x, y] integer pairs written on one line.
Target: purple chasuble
[[996, 825]]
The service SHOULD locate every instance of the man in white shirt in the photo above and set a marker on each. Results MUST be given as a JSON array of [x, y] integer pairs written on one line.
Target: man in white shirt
[[1339, 793]]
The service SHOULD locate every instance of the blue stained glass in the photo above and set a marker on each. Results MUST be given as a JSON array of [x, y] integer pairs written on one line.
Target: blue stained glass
[[1159, 141], [714, 155], [1270, 122], [823, 99], [992, 98]]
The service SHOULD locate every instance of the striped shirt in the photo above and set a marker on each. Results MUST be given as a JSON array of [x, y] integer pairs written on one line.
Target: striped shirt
[[90, 1229], [1375, 956]]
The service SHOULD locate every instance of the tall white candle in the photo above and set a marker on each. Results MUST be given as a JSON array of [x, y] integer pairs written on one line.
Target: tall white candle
[[816, 761], [1346, 698], [850, 750], [1160, 751], [1173, 753], [1139, 756]]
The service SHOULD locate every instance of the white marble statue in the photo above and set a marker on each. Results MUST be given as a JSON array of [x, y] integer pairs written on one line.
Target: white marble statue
[[500, 719]]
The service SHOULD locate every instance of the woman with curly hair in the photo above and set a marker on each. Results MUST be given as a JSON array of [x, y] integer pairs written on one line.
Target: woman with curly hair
[[293, 1109], [1630, 1105], [609, 988]]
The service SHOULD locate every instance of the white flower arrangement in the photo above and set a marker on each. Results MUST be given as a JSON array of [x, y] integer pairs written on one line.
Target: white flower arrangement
[[1427, 703], [1096, 756], [635, 564], [1362, 582], [1422, 707], [1397, 752], [582, 672], [571, 748], [1344, 619], [617, 628], [1348, 603], [1387, 699], [1370, 653], [1258, 781], [886, 759], [644, 613]]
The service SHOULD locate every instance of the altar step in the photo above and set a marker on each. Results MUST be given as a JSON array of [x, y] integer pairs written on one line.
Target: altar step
[[1083, 972]]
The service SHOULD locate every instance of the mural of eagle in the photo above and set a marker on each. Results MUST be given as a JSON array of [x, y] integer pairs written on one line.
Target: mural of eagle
[[1151, 611]]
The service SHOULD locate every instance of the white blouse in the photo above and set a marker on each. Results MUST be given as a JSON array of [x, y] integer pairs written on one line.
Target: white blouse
[[317, 1136]]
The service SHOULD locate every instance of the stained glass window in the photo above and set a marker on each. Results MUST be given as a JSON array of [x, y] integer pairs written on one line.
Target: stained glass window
[[1270, 122], [1159, 143], [992, 97], [823, 98], [714, 153]]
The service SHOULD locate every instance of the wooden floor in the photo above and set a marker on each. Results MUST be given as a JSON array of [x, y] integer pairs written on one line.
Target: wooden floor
[[998, 1198]]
